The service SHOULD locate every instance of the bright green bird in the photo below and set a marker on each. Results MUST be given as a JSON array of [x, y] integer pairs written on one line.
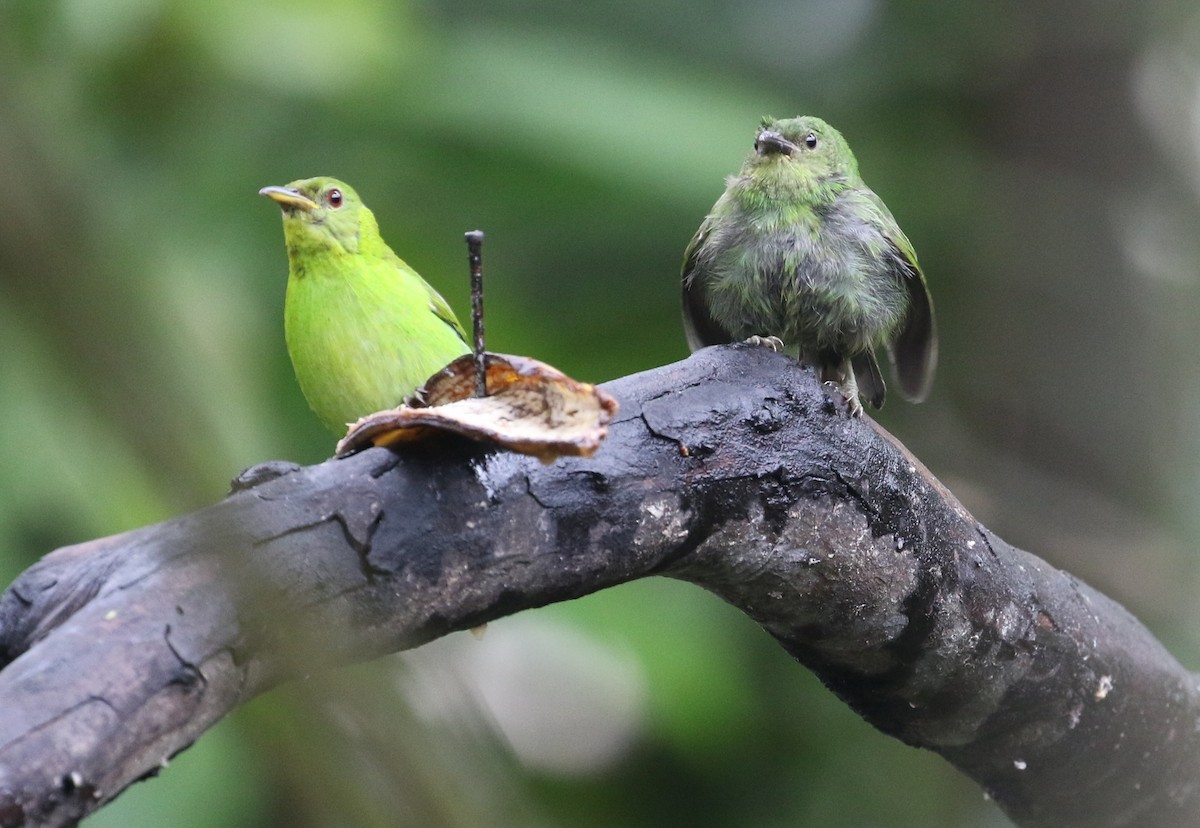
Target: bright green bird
[[798, 249], [363, 329]]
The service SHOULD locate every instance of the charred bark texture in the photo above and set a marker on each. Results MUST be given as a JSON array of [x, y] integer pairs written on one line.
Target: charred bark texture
[[731, 470]]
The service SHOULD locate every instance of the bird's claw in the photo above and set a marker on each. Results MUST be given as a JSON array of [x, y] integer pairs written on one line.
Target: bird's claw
[[843, 399], [854, 407], [772, 342]]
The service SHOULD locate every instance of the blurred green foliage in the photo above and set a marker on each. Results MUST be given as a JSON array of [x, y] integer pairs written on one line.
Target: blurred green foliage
[[1041, 157]]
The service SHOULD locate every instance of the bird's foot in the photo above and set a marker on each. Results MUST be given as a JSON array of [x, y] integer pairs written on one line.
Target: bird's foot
[[844, 397], [854, 407], [772, 342]]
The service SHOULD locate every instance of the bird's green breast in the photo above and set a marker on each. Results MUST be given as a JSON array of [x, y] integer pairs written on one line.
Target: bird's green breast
[[808, 270], [361, 334]]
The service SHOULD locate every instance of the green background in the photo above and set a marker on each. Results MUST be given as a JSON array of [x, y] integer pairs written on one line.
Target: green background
[[1043, 158]]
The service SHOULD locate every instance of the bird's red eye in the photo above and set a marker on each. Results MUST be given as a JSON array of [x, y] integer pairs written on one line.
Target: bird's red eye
[[810, 140], [334, 197]]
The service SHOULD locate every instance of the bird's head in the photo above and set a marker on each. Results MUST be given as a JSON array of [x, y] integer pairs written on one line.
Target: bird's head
[[321, 212], [799, 150]]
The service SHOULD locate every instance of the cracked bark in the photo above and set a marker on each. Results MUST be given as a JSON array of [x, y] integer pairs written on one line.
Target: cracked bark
[[731, 470]]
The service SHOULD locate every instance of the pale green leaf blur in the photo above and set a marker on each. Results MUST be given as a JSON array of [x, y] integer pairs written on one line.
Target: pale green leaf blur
[[1044, 159]]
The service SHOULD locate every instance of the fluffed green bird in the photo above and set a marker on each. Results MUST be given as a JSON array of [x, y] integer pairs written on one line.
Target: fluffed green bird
[[798, 249], [363, 329]]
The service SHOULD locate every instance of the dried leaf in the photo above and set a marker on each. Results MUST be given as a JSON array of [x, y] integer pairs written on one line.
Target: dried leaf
[[531, 408]]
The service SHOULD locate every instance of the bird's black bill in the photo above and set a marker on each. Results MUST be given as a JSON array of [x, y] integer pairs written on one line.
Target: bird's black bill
[[770, 142]]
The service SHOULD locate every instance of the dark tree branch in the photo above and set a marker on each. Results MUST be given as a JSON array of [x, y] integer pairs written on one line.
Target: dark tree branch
[[731, 470]]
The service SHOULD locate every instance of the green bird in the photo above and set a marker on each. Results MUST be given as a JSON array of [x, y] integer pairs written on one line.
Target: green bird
[[800, 254], [363, 329]]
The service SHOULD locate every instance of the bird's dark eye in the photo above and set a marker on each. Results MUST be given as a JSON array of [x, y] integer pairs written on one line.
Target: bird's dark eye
[[810, 140], [334, 197]]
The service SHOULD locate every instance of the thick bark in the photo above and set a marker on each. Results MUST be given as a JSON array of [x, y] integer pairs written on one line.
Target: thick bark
[[731, 470]]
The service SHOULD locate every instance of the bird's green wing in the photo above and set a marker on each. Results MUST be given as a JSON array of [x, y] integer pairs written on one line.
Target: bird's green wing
[[699, 325], [440, 307], [913, 347]]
